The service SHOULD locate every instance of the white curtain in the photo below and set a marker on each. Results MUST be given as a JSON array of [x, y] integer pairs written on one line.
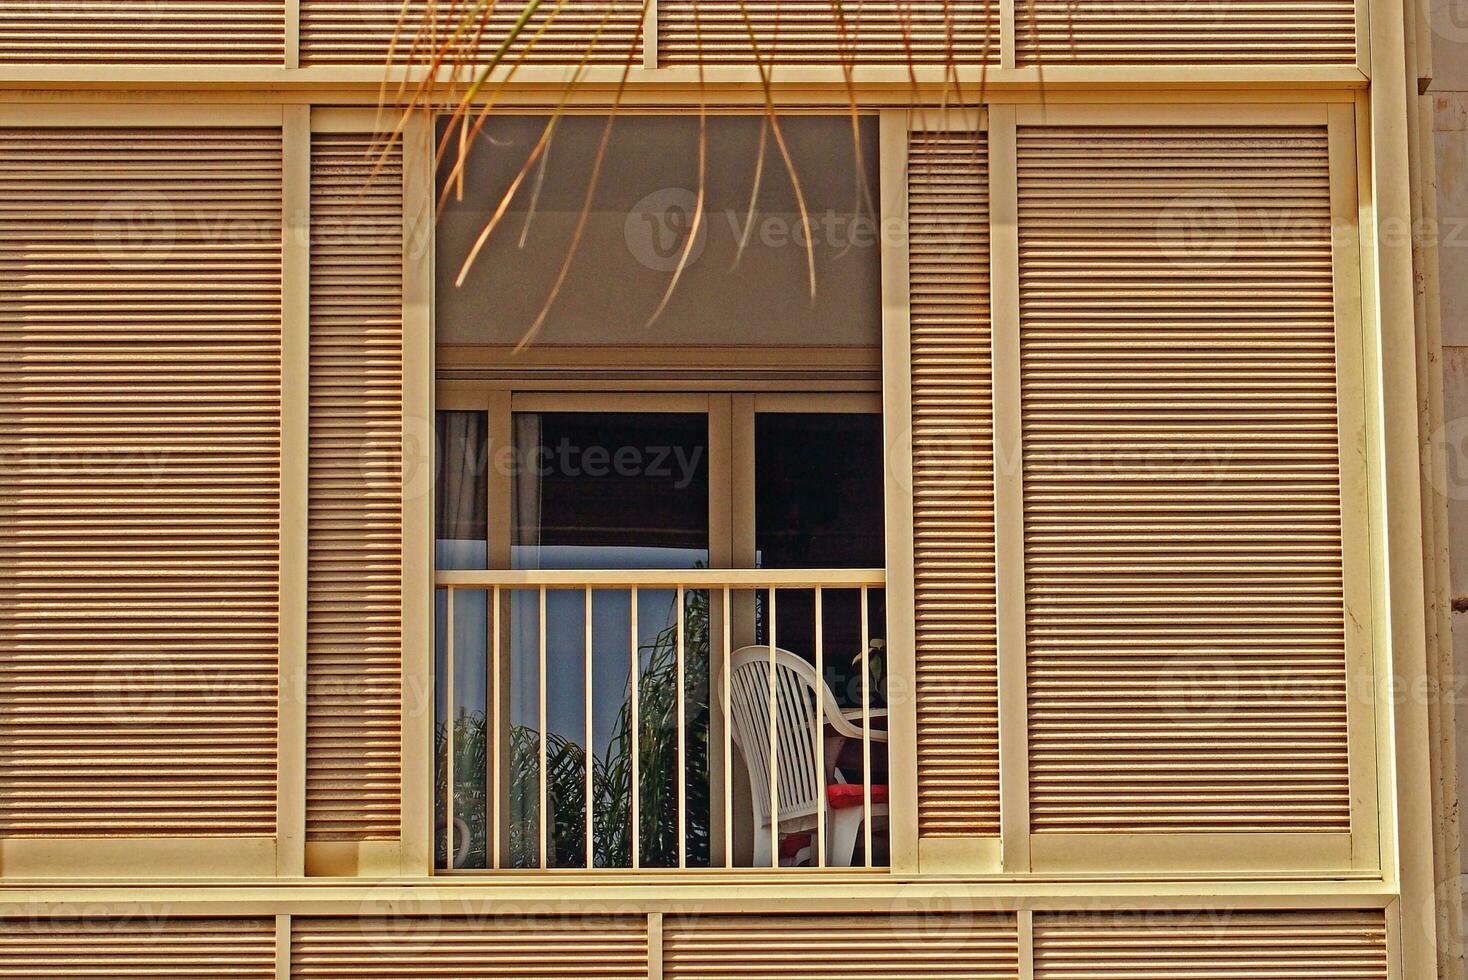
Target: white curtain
[[529, 467]]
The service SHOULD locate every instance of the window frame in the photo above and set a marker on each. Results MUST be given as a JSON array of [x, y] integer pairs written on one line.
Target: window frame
[[731, 429], [1014, 852]]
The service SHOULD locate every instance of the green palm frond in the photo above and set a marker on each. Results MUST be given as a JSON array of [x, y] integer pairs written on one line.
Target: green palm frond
[[658, 765]]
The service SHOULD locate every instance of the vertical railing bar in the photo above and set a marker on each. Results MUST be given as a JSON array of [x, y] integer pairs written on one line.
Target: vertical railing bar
[[540, 692], [728, 737], [496, 731], [682, 774], [774, 747], [866, 728], [821, 802], [492, 731], [590, 821], [448, 714], [632, 683]]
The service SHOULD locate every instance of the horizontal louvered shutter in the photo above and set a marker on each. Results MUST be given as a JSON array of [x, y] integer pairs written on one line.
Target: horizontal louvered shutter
[[374, 32], [953, 484], [1182, 491], [140, 424], [355, 538], [157, 32], [1165, 32], [138, 947], [853, 947], [481, 948], [1224, 944], [819, 32]]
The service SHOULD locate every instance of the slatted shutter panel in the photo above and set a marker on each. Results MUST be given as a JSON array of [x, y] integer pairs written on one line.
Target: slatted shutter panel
[[158, 32], [1221, 944], [372, 32], [485, 948], [953, 484], [820, 32], [355, 540], [141, 947], [1165, 32], [854, 947], [140, 423], [1182, 489]]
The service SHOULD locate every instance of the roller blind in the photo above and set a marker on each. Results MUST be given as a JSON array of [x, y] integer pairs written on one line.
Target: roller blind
[[819, 32], [1182, 489], [140, 425], [858, 947], [158, 32], [953, 484], [1273, 945], [572, 948], [139, 947], [355, 537]]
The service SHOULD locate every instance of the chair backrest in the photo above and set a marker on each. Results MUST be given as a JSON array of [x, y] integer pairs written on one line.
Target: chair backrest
[[800, 784]]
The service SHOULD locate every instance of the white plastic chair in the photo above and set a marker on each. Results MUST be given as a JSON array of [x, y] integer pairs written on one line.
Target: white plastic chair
[[801, 788]]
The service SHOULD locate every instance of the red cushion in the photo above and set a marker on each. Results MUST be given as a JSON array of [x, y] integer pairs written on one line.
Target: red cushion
[[793, 844], [844, 796]]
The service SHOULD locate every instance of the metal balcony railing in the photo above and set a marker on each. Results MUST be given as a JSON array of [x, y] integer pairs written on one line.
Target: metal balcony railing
[[710, 687]]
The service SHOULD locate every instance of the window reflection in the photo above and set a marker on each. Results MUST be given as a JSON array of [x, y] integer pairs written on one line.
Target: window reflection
[[560, 698], [818, 504], [610, 490], [461, 541], [607, 491]]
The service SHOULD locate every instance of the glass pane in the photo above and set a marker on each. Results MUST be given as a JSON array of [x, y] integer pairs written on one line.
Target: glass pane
[[611, 741], [609, 491], [524, 731], [564, 727], [818, 490], [461, 504], [468, 713], [613, 490], [461, 541], [818, 504]]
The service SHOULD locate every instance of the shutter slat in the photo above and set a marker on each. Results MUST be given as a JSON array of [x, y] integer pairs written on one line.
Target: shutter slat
[[1223, 946], [1163, 32], [157, 32], [372, 32], [139, 586], [572, 948], [819, 32], [841, 947], [355, 547], [1185, 627], [953, 485], [142, 947]]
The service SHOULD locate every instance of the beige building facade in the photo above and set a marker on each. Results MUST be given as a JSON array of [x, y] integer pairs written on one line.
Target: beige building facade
[[1125, 648]]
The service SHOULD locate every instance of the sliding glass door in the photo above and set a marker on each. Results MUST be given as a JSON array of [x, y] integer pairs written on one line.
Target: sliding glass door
[[586, 722]]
